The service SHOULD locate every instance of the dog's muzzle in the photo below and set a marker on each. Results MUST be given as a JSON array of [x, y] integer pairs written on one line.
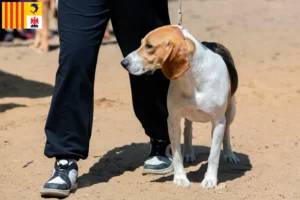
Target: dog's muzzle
[[133, 64]]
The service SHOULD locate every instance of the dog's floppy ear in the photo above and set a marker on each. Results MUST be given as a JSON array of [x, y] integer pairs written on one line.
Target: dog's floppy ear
[[176, 61]]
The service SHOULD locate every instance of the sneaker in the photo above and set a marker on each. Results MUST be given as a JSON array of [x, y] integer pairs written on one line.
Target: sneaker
[[159, 160], [9, 37], [62, 181], [26, 34]]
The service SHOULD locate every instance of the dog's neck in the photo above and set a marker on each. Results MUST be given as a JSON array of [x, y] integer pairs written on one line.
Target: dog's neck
[[193, 78]]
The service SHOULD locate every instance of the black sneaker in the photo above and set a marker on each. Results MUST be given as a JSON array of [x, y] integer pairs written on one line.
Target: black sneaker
[[62, 181], [159, 160]]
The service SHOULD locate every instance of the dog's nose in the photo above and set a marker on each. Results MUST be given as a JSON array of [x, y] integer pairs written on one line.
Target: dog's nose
[[125, 63]]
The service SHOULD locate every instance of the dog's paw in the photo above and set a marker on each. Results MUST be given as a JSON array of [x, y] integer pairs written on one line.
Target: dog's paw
[[229, 157], [209, 182], [181, 180], [189, 157]]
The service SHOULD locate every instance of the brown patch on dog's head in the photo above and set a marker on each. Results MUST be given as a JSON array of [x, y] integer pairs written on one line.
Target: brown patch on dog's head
[[168, 49]]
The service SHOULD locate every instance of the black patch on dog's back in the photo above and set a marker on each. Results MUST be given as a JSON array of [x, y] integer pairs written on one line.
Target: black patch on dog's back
[[226, 55]]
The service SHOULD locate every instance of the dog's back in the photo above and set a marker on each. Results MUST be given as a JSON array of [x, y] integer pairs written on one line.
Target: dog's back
[[226, 55]]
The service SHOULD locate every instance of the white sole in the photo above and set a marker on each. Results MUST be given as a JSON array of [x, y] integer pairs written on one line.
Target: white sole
[[159, 172], [47, 192]]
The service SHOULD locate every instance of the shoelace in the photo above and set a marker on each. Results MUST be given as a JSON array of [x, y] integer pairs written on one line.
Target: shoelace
[[61, 170]]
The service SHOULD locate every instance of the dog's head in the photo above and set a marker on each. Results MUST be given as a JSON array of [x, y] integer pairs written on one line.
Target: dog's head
[[164, 48]]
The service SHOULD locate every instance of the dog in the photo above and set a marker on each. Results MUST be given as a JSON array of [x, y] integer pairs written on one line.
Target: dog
[[203, 83], [42, 35]]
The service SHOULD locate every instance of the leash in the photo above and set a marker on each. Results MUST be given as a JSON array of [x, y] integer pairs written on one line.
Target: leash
[[180, 13]]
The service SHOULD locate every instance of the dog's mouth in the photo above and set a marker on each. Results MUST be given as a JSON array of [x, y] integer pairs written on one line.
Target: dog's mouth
[[148, 73], [141, 72]]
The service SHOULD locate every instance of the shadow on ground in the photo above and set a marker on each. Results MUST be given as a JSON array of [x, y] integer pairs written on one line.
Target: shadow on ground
[[16, 86], [109, 42], [226, 172], [130, 157], [115, 163], [53, 47], [8, 106]]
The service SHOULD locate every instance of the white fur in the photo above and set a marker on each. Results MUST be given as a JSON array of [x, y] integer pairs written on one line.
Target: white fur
[[200, 95]]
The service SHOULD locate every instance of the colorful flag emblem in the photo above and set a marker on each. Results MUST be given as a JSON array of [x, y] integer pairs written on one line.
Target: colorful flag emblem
[[22, 15]]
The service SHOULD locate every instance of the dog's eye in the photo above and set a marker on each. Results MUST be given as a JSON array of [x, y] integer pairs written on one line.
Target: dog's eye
[[148, 46]]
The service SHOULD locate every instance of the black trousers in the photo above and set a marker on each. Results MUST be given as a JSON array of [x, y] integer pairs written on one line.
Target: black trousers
[[2, 33], [81, 26]]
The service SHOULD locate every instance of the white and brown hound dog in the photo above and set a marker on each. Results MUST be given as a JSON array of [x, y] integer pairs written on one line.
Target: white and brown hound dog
[[203, 83]]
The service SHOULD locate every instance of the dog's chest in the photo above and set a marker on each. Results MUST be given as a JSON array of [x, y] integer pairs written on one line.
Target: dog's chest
[[194, 113], [186, 104]]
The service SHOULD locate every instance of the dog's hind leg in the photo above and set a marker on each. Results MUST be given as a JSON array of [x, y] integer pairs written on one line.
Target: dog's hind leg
[[230, 113], [189, 155], [174, 135]]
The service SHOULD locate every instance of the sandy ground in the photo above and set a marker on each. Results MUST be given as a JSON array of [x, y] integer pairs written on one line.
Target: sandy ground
[[263, 36]]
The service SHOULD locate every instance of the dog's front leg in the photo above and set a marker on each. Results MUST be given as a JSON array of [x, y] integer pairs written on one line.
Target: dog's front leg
[[175, 134], [211, 179], [189, 155]]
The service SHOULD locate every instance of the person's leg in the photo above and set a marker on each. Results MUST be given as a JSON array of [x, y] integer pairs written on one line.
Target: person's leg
[[132, 20], [53, 9], [81, 26], [2, 33], [44, 32], [108, 36]]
